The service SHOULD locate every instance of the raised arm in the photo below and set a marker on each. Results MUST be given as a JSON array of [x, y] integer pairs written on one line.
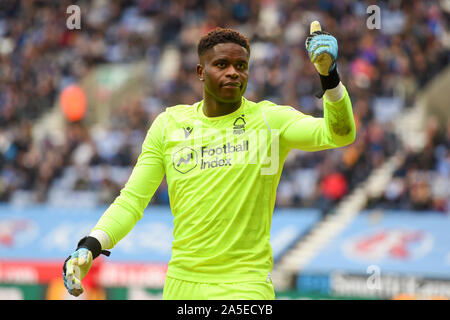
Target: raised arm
[[304, 132], [337, 127]]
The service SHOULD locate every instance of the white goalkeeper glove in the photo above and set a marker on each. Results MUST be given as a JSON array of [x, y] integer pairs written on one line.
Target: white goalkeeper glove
[[76, 267], [78, 264]]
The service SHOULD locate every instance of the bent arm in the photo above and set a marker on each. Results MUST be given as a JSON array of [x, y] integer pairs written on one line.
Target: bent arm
[[335, 129], [127, 209]]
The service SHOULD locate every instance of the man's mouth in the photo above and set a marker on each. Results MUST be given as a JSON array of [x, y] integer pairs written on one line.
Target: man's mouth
[[232, 84]]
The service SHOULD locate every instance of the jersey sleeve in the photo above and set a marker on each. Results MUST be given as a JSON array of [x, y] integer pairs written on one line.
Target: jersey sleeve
[[300, 131], [127, 209]]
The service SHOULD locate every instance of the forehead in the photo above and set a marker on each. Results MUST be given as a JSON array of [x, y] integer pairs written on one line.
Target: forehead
[[231, 51]]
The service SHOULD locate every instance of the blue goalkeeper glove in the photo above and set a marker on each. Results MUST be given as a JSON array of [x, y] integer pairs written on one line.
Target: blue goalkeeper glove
[[78, 264], [322, 49]]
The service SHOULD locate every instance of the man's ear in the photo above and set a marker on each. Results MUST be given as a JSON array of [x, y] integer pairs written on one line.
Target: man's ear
[[200, 71]]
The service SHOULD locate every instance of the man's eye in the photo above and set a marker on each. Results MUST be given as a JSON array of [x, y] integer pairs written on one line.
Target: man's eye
[[241, 66], [220, 65]]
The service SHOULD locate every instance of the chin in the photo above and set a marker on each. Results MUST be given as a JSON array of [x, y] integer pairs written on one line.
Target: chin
[[231, 99]]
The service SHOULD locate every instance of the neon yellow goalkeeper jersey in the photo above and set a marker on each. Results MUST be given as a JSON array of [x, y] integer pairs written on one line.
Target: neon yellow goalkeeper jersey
[[222, 175]]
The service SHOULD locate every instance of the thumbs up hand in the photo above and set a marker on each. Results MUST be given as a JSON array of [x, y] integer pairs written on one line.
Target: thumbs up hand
[[322, 49]]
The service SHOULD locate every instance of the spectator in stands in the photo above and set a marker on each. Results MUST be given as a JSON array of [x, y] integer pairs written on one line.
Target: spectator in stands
[[383, 68]]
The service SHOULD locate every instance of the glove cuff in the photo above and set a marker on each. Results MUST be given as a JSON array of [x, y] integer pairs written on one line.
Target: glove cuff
[[93, 245], [329, 82]]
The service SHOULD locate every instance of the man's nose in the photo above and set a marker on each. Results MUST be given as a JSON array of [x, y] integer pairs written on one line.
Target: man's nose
[[232, 72]]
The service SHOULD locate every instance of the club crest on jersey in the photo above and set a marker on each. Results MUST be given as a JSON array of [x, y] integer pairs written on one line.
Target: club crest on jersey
[[239, 125], [184, 160]]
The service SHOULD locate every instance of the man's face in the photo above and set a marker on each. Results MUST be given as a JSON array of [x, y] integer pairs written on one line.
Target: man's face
[[224, 71]]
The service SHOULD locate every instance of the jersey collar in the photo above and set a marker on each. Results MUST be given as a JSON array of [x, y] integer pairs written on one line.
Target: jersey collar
[[199, 111]]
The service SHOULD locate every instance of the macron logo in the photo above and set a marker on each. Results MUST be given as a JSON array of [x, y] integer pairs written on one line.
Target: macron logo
[[187, 131]]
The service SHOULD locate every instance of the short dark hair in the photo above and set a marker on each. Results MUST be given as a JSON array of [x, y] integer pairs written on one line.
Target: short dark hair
[[222, 35]]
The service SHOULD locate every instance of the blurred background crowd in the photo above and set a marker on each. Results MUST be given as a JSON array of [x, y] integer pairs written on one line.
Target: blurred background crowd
[[382, 69]]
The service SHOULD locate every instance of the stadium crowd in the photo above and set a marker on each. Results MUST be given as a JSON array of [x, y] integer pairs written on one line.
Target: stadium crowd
[[382, 70], [422, 183]]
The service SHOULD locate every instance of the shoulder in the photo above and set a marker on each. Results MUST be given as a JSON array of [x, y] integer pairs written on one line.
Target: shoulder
[[271, 109], [269, 106], [279, 116], [263, 104], [176, 113], [181, 109], [260, 105]]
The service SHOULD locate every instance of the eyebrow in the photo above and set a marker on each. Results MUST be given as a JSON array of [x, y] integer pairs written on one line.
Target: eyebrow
[[220, 59]]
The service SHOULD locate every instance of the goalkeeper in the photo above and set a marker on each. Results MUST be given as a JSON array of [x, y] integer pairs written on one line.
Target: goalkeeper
[[222, 207]]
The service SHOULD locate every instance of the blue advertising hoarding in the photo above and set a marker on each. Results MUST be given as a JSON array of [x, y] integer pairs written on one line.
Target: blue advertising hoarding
[[409, 243], [48, 233]]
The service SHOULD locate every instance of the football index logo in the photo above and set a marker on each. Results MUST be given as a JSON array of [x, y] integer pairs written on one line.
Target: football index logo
[[184, 160], [213, 148]]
